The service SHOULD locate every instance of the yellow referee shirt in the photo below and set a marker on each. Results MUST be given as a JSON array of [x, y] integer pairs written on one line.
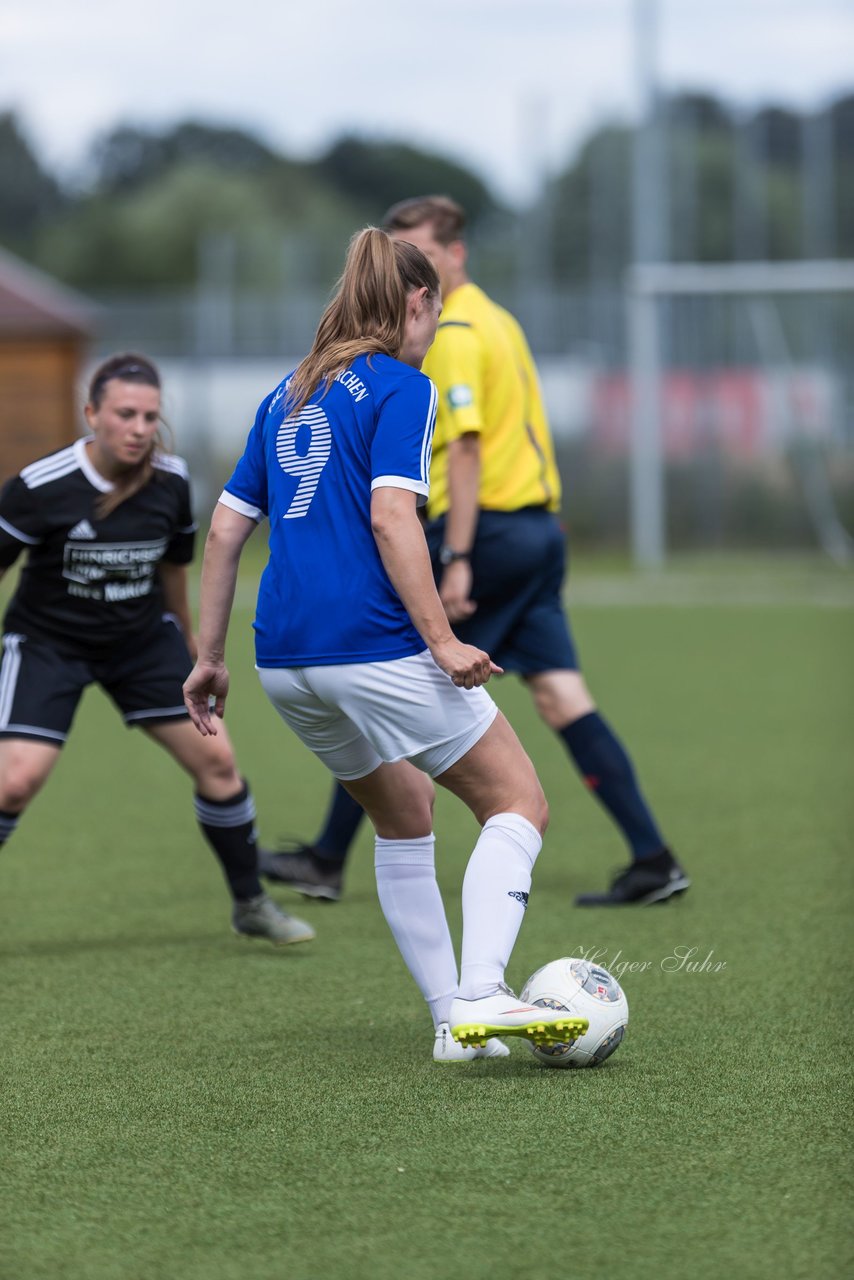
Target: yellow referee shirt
[[487, 383]]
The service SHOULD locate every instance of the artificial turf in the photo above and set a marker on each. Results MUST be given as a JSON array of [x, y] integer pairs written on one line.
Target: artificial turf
[[179, 1103]]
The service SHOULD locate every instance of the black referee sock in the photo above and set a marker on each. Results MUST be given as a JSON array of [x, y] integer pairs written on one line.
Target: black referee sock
[[8, 823], [229, 828], [604, 764]]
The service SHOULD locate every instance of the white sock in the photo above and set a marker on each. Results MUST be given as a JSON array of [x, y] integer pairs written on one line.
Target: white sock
[[495, 895], [413, 907]]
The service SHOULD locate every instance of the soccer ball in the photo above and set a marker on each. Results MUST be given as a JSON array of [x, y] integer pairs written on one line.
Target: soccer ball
[[584, 990]]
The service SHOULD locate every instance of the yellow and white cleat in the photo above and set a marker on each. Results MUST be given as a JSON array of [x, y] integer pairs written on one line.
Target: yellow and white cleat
[[446, 1048], [473, 1022]]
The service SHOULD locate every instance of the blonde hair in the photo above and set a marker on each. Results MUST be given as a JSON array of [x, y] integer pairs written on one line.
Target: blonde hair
[[368, 312]]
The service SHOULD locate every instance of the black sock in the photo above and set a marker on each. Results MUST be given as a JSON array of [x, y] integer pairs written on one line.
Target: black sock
[[342, 823], [229, 828], [604, 765], [8, 823]]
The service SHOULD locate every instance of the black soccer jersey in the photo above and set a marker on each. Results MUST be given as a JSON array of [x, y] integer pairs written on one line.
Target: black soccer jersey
[[90, 583]]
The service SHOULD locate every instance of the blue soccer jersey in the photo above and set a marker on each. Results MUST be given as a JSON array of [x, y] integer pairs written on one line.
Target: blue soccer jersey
[[325, 596]]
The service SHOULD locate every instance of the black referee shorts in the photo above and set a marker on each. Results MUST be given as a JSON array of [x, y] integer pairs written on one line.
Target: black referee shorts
[[40, 687], [518, 567]]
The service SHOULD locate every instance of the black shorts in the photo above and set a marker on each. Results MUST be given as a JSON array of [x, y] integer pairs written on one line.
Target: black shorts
[[40, 687], [518, 567]]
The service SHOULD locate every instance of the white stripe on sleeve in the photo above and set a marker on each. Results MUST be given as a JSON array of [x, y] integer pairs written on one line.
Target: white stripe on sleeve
[[16, 533], [242, 508], [402, 482]]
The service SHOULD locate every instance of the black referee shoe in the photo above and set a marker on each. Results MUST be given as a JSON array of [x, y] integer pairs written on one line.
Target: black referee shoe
[[644, 882], [302, 870]]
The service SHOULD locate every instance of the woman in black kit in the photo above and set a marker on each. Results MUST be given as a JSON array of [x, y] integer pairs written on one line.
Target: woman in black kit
[[102, 598]]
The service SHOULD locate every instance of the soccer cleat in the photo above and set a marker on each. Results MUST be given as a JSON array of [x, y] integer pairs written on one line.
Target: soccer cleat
[[302, 870], [474, 1021], [446, 1049], [261, 918], [644, 882]]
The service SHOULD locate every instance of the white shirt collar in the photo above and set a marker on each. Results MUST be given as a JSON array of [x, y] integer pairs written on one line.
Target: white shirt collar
[[94, 477]]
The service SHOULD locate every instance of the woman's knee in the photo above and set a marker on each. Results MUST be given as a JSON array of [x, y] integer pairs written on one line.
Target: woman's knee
[[560, 697], [518, 788], [425, 802], [530, 801], [541, 808], [217, 774], [411, 815], [398, 799], [218, 769], [209, 761], [22, 774]]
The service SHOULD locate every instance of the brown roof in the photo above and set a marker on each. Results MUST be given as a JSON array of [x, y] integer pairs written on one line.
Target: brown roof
[[33, 304]]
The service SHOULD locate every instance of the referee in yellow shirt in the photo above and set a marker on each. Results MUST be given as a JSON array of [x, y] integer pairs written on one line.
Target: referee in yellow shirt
[[499, 557]]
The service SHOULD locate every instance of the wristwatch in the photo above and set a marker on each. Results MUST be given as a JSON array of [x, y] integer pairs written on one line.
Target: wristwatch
[[447, 555]]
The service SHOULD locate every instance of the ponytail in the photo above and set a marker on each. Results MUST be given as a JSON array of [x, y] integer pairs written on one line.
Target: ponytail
[[367, 314]]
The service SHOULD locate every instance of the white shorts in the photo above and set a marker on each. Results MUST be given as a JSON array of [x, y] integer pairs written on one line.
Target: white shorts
[[356, 716]]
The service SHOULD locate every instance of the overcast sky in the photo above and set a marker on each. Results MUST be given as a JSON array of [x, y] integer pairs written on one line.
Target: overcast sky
[[507, 86]]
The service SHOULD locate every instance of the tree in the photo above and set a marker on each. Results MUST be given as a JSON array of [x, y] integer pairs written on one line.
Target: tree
[[593, 194], [28, 195], [149, 238], [592, 199], [128, 157], [378, 174]]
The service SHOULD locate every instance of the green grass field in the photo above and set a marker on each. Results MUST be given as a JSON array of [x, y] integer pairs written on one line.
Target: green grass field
[[181, 1104]]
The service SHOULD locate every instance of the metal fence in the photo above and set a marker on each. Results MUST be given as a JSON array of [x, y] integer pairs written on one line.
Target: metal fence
[[752, 404]]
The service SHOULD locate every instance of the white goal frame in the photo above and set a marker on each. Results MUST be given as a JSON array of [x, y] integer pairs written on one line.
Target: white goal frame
[[647, 284]]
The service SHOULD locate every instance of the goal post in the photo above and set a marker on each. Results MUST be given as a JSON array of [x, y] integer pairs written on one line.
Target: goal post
[[646, 286]]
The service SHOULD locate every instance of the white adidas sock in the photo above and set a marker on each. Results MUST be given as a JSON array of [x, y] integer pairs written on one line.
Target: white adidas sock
[[413, 907], [495, 895]]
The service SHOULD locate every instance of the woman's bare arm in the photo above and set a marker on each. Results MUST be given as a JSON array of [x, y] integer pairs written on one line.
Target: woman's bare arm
[[403, 549], [209, 678]]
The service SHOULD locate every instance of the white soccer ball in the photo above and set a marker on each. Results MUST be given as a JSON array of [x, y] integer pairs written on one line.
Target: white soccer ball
[[584, 990]]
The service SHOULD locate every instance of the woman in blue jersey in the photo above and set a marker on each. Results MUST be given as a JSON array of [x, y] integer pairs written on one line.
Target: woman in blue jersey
[[353, 647]]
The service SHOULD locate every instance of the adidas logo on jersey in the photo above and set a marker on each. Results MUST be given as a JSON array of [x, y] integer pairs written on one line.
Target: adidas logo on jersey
[[83, 529]]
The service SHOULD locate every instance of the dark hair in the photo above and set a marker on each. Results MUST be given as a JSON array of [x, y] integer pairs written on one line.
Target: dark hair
[[446, 218], [122, 368], [368, 312], [126, 367]]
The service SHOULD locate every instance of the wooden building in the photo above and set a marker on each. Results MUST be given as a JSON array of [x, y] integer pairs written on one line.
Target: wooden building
[[45, 329]]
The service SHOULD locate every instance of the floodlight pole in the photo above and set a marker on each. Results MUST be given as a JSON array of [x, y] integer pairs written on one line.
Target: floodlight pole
[[649, 244]]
